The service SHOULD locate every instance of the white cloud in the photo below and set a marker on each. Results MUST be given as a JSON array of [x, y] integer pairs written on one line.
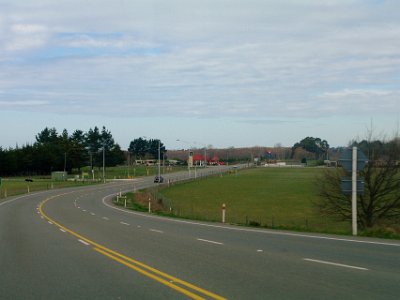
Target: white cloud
[[254, 60], [12, 103], [24, 37], [356, 93]]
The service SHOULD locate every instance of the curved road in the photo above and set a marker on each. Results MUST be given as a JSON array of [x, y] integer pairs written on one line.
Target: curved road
[[73, 244]]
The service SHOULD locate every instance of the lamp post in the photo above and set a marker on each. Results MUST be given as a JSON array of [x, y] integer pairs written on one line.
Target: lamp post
[[104, 164], [159, 161]]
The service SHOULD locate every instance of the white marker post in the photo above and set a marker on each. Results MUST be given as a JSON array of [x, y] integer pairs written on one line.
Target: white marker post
[[223, 212], [149, 206], [354, 191]]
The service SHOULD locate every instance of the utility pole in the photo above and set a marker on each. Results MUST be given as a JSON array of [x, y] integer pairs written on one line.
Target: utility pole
[[104, 164], [354, 191], [159, 161]]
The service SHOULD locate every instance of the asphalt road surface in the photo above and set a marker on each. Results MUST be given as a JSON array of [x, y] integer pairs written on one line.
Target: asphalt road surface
[[74, 244]]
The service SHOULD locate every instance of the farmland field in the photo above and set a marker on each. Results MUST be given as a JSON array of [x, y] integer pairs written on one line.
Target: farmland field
[[17, 186], [270, 197]]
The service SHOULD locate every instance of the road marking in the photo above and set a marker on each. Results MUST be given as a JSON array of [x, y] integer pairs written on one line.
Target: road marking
[[93, 214], [83, 242], [62, 230], [105, 218], [83, 209], [184, 287], [211, 242], [335, 264], [50, 222], [259, 250], [155, 230], [225, 227], [123, 223]]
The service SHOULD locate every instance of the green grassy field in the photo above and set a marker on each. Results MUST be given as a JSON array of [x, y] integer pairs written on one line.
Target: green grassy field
[[18, 186], [270, 197]]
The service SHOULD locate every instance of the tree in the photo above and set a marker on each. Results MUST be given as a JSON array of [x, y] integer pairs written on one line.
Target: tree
[[314, 145], [49, 151], [153, 148], [138, 147], [78, 154], [381, 199]]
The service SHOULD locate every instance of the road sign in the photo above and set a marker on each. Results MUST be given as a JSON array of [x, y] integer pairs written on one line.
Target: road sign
[[346, 160], [346, 186]]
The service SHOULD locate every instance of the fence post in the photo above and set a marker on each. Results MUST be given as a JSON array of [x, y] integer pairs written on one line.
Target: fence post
[[223, 212]]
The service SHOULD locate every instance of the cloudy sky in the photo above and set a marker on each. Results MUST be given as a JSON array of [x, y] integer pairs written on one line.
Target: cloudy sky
[[219, 72]]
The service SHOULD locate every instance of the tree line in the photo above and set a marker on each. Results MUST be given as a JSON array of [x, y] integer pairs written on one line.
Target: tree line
[[53, 151]]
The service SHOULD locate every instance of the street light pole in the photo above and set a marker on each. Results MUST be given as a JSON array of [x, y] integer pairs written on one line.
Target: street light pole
[[104, 164], [159, 161]]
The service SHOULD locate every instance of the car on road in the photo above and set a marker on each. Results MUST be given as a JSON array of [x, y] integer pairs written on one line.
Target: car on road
[[158, 179]]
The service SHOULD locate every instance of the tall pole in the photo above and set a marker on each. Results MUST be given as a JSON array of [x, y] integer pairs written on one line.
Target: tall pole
[[354, 191], [159, 161], [104, 164]]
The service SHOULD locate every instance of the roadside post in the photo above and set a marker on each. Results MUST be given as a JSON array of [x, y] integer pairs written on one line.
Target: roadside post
[[149, 205], [353, 161], [223, 212]]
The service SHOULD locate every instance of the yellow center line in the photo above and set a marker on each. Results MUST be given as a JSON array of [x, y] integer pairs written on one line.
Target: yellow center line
[[151, 272], [152, 276]]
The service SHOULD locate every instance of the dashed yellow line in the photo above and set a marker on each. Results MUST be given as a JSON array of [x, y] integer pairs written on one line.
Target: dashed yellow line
[[170, 281]]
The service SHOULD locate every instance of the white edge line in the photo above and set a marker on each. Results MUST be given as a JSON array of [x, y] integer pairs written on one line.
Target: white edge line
[[83, 242], [211, 242], [248, 229], [335, 264], [123, 223], [155, 230], [62, 230]]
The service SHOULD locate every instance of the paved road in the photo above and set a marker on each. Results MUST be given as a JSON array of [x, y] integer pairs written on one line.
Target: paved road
[[73, 244]]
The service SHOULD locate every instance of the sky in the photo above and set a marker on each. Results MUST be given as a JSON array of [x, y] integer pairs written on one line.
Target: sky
[[217, 73]]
